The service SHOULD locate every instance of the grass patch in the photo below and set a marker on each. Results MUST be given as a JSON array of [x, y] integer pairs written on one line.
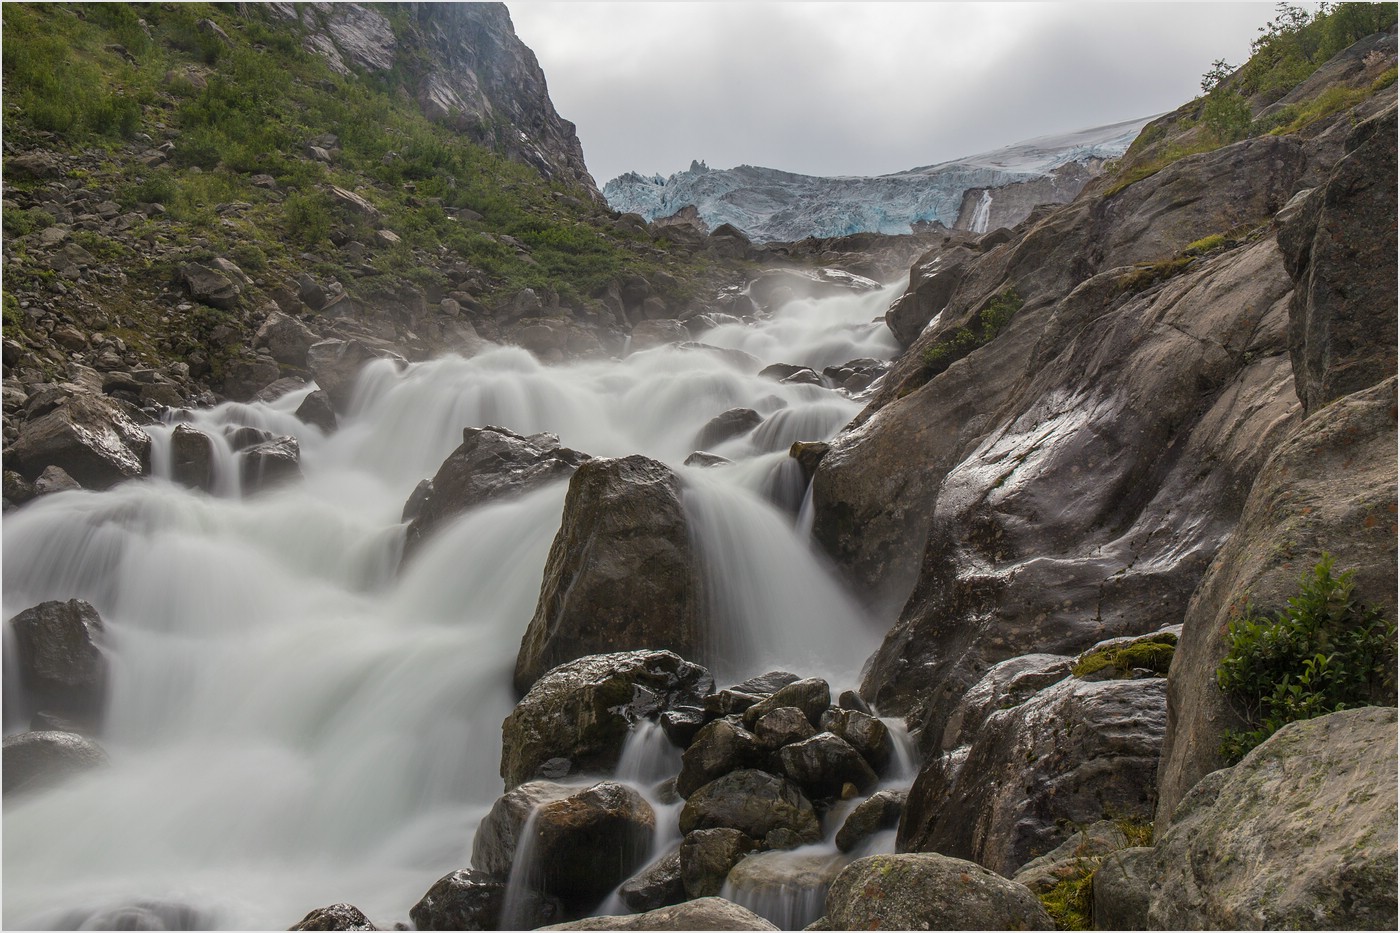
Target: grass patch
[[1070, 903], [991, 320], [1153, 653]]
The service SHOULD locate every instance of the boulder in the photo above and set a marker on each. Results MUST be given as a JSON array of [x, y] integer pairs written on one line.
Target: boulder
[[213, 284], [706, 913], [924, 891], [54, 479], [336, 364], [658, 333], [1301, 834], [932, 283], [725, 426], [461, 900], [1080, 853], [754, 802], [583, 845], [740, 697], [584, 710], [191, 457], [58, 657], [491, 463], [1340, 249], [874, 814], [718, 748], [812, 696], [89, 437], [286, 338], [317, 409], [824, 764], [40, 760], [864, 733], [498, 835], [700, 458], [782, 726], [335, 917], [1122, 889], [622, 573], [657, 885], [271, 463], [353, 203], [706, 857], [1065, 757]]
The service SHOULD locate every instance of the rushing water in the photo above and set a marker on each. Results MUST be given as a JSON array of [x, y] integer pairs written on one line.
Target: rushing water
[[291, 722]]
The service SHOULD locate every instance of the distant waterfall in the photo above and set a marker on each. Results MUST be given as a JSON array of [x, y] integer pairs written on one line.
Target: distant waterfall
[[982, 214]]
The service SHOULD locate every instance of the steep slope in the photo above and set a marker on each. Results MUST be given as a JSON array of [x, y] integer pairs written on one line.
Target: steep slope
[[1112, 420], [977, 193]]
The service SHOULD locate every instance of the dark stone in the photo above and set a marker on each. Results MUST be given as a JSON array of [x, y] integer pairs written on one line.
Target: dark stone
[[719, 748], [89, 437], [929, 892], [864, 733], [39, 760], [317, 409], [54, 479], [754, 802], [335, 917], [707, 855], [783, 726], [812, 696], [191, 457], [271, 464], [622, 573], [461, 900], [824, 764], [876, 813], [731, 424], [416, 500], [60, 664], [658, 885]]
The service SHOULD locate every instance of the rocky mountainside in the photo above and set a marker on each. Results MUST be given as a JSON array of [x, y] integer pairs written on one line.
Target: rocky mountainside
[[976, 193]]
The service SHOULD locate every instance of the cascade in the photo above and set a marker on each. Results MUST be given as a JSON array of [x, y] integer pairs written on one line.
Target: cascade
[[295, 722]]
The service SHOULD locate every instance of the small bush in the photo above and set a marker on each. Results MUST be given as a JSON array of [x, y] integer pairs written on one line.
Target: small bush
[[991, 319], [1326, 652], [1070, 903]]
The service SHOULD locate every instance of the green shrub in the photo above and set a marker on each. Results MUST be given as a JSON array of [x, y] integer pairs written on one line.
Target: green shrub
[[308, 217], [990, 320], [1226, 115], [1325, 652], [1070, 903]]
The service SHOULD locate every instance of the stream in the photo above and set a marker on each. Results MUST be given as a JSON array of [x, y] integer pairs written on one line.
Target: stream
[[293, 723]]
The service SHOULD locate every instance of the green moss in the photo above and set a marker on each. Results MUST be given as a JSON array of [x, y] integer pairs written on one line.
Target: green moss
[[1070, 903], [991, 320], [1146, 275], [1153, 653]]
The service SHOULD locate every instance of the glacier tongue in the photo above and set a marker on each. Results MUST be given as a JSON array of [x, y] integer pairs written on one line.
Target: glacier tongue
[[768, 204]]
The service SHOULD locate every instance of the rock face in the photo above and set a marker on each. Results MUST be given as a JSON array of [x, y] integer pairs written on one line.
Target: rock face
[[706, 913], [1342, 325], [1052, 509], [1017, 783], [1299, 835], [490, 463], [622, 573], [89, 437], [583, 711], [929, 892], [59, 659]]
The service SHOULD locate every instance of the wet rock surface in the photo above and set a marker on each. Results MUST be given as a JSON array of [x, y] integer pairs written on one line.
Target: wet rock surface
[[706, 913], [754, 802], [706, 857], [36, 761], [622, 573], [461, 900], [59, 659], [335, 917]]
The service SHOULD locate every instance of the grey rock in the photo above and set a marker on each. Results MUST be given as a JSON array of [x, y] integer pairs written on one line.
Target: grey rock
[[498, 836], [718, 748], [461, 900], [1122, 889], [59, 659], [782, 726], [491, 463], [89, 437], [740, 697], [286, 338], [725, 426], [754, 802], [584, 710], [864, 733], [657, 885], [40, 760], [824, 764], [1301, 834], [706, 857], [317, 409], [702, 459], [212, 285], [622, 572], [191, 457], [876, 813], [812, 696], [706, 913], [271, 464], [335, 917], [924, 891], [54, 479], [1082, 851]]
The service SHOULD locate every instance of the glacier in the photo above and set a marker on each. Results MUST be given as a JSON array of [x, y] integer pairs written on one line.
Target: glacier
[[977, 192]]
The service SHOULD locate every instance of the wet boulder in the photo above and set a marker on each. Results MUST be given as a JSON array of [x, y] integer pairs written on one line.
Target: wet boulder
[[706, 857], [876, 813], [335, 917], [706, 913], [864, 733], [824, 764], [754, 802], [584, 710], [59, 659], [789, 887], [924, 891], [317, 409], [932, 283], [191, 457], [337, 363], [725, 426], [89, 437], [718, 748], [622, 573], [658, 885], [783, 726], [811, 695], [472, 900], [491, 463], [1301, 834], [54, 479], [271, 464], [39, 760], [498, 835], [1064, 757], [738, 698]]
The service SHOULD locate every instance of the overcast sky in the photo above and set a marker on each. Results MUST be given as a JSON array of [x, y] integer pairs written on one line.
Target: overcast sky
[[862, 88]]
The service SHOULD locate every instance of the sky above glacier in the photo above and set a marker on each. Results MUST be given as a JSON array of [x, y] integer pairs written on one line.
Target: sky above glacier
[[862, 88]]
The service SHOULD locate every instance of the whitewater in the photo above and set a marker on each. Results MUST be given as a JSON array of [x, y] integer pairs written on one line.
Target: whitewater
[[292, 720]]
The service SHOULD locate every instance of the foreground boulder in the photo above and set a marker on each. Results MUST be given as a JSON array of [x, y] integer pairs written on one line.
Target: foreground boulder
[[929, 892], [706, 857], [38, 760], [461, 900], [659, 885], [491, 463], [1301, 834], [789, 887], [622, 573], [335, 917], [578, 716], [271, 464], [757, 804], [706, 913], [89, 437], [60, 662]]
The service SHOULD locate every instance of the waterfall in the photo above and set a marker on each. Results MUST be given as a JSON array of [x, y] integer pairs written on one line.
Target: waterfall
[[982, 214], [293, 722]]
